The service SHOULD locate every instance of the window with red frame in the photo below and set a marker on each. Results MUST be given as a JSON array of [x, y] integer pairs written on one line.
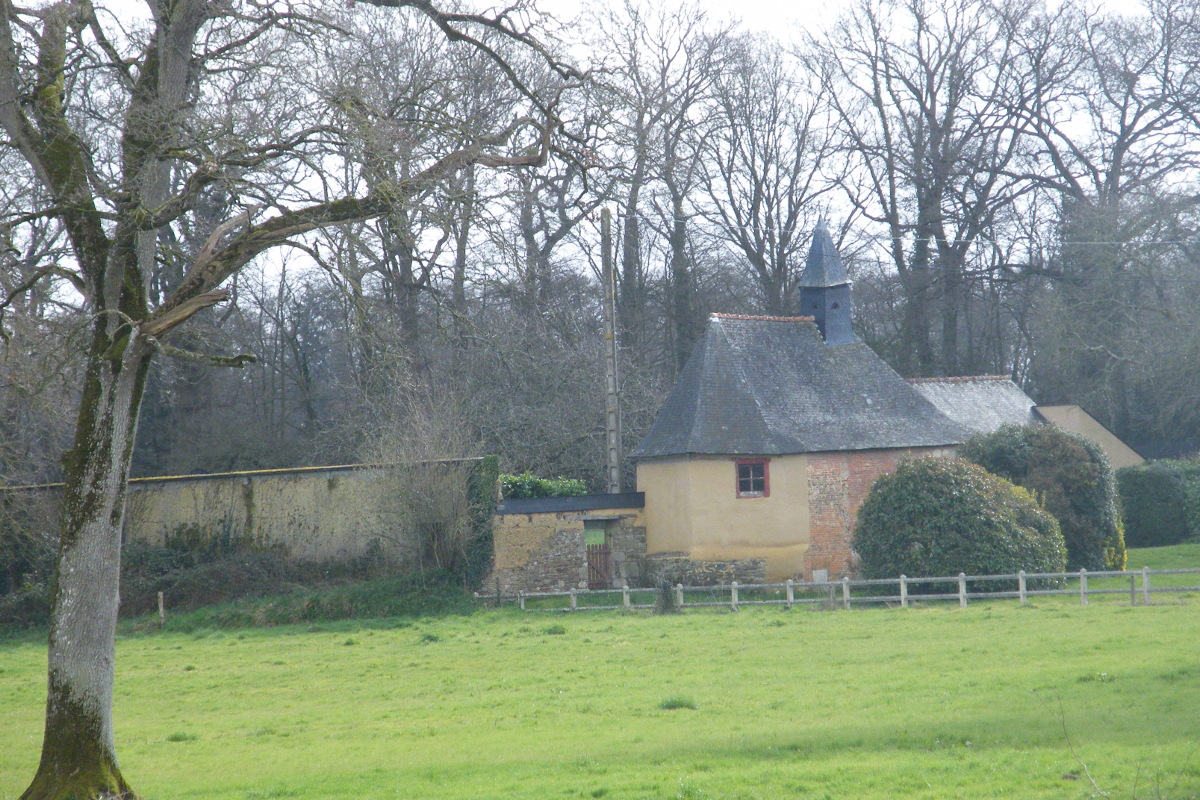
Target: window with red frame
[[753, 478]]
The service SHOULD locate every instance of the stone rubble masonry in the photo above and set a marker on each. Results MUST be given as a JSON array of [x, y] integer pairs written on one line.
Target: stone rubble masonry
[[679, 569], [837, 485], [544, 551]]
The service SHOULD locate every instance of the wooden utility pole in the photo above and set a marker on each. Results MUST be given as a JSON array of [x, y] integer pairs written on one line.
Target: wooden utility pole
[[612, 421]]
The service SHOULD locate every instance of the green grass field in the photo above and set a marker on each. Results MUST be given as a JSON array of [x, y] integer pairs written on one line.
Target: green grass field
[[935, 702]]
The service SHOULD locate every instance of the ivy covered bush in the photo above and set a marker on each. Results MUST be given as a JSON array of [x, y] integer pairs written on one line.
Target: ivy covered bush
[[941, 516], [1161, 500], [527, 485], [1071, 478]]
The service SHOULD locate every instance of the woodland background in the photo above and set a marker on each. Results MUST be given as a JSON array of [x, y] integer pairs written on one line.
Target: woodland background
[[1014, 191]]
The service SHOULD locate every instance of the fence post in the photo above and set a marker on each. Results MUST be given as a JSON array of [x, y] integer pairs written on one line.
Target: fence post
[[521, 599], [625, 594], [1021, 586], [573, 606], [1132, 591], [679, 595], [1145, 586], [846, 591], [904, 591], [733, 596], [791, 597], [962, 590], [162, 611], [1083, 600]]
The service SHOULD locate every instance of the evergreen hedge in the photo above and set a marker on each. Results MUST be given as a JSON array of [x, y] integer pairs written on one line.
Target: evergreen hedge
[[1161, 500], [1071, 478], [940, 516]]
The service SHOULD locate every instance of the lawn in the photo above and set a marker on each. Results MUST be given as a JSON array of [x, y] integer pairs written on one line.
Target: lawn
[[935, 702]]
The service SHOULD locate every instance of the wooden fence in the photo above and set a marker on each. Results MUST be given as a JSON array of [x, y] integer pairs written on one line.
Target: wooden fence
[[847, 593]]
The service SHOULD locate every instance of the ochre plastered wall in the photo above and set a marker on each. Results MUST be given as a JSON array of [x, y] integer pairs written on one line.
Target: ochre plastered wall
[[313, 515], [692, 509], [805, 524]]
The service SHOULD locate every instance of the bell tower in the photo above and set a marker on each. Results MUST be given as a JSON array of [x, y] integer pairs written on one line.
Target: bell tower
[[825, 289]]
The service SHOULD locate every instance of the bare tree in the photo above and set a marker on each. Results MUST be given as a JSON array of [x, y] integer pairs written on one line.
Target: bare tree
[[659, 64], [102, 118], [923, 96], [764, 162], [1122, 174]]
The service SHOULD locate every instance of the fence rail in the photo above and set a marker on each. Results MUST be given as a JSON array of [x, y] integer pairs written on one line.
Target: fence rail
[[847, 593]]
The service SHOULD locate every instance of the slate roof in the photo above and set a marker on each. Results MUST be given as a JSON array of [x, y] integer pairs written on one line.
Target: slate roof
[[771, 386], [823, 267], [981, 404]]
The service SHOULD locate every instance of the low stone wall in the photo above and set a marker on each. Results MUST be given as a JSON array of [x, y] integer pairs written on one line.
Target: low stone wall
[[679, 569]]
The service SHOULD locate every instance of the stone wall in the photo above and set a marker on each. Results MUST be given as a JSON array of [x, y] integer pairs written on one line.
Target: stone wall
[[679, 569], [837, 485], [317, 514], [544, 550], [310, 514]]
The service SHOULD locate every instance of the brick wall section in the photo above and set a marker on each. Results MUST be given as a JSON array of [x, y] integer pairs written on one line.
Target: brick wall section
[[837, 485]]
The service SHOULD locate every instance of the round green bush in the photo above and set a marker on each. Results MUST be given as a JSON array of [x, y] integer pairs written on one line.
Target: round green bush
[[938, 516], [1070, 476]]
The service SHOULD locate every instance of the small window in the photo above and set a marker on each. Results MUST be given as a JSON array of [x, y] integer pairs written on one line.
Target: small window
[[753, 478]]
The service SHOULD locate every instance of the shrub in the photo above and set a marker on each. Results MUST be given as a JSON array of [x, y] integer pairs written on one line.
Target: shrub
[[1154, 497], [1070, 476], [1161, 501], [527, 485], [29, 522], [938, 516]]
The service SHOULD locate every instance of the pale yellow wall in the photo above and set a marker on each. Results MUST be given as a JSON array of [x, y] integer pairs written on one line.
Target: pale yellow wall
[[668, 509], [319, 515], [692, 507], [1076, 420]]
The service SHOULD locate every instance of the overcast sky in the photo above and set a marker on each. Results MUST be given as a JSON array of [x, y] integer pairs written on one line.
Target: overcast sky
[[779, 17]]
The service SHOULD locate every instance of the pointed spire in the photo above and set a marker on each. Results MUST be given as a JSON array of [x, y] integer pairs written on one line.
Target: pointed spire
[[823, 267], [825, 289]]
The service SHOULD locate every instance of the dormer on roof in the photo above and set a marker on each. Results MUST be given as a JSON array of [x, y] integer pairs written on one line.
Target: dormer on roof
[[825, 289]]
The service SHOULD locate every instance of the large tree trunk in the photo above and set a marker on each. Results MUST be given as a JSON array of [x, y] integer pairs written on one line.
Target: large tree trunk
[[78, 753]]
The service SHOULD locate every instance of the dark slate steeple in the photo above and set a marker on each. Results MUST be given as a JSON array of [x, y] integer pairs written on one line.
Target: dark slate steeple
[[825, 289]]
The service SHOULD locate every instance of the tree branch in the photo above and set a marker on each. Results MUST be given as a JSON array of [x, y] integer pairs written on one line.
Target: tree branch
[[165, 319], [238, 361]]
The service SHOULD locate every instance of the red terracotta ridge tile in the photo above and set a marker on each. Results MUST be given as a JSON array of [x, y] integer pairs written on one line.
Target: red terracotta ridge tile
[[761, 318], [961, 379]]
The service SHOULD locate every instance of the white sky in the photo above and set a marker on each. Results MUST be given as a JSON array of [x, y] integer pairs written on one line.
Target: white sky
[[778, 17]]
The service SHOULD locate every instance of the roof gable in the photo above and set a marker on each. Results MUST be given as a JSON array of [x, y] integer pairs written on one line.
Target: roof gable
[[771, 386]]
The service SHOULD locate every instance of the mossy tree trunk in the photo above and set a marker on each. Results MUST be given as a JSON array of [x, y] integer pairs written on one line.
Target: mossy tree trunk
[[78, 752], [157, 163]]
